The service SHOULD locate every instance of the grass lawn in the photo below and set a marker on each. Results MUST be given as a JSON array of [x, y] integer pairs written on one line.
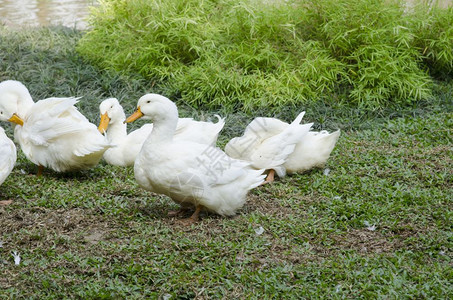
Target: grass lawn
[[379, 225]]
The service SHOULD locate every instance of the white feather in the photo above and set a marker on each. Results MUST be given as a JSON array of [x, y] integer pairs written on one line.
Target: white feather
[[272, 144], [54, 134], [268, 142], [8, 156]]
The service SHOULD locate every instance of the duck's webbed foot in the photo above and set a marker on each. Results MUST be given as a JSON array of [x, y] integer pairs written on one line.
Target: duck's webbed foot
[[40, 170], [175, 213], [194, 218], [270, 177]]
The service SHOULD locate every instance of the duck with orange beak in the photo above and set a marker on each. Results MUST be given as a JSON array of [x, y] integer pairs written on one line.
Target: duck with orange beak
[[194, 175], [52, 133]]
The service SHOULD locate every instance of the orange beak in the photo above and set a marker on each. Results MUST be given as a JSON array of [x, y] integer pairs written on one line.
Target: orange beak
[[104, 123], [136, 115], [16, 119]]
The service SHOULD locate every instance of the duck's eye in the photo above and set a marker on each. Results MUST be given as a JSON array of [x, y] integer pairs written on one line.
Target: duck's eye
[[111, 106], [149, 101]]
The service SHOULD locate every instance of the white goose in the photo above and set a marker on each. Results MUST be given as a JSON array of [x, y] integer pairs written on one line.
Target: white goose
[[7, 154], [311, 150], [127, 146], [192, 174], [52, 133]]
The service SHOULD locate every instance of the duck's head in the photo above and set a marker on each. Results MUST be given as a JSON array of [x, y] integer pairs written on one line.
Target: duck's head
[[111, 113], [15, 101], [155, 107]]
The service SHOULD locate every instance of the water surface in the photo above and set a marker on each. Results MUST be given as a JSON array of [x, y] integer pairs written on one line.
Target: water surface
[[71, 13]]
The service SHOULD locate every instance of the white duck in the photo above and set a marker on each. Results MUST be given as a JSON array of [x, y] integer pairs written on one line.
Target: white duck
[[52, 133], [311, 150], [7, 154], [267, 148], [128, 145], [192, 174]]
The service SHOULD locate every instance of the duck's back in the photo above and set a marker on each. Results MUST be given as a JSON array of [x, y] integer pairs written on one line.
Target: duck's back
[[198, 131], [56, 135], [312, 152]]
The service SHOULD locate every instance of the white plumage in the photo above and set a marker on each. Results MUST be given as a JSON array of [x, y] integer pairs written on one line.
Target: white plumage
[[312, 152], [127, 146], [7, 155], [265, 147], [52, 133], [192, 174], [290, 147]]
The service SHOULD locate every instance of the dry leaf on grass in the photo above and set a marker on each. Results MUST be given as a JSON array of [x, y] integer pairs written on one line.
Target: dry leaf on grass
[[5, 202]]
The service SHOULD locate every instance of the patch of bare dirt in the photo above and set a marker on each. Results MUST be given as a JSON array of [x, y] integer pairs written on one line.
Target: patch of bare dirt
[[365, 241], [270, 206], [40, 227]]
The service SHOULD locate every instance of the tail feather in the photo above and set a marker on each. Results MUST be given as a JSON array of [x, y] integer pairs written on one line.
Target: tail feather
[[298, 119], [259, 179]]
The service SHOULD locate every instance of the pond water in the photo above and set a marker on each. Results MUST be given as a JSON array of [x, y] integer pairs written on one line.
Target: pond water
[[71, 13]]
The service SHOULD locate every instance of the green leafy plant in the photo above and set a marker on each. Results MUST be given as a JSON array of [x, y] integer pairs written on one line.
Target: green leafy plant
[[435, 38], [253, 54]]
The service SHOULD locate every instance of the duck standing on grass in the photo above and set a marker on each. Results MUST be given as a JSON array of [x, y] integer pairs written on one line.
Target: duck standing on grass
[[127, 146], [52, 133], [8, 155], [192, 174], [286, 148]]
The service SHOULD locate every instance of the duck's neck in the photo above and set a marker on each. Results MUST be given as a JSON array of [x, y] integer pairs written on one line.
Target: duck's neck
[[24, 103], [116, 131], [163, 130]]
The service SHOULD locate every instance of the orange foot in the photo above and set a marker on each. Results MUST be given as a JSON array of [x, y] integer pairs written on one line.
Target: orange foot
[[180, 211], [40, 170], [269, 178], [194, 218]]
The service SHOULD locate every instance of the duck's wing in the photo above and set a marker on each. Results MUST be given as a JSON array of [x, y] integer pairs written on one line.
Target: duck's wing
[[54, 117], [216, 168], [273, 152], [57, 119], [256, 132]]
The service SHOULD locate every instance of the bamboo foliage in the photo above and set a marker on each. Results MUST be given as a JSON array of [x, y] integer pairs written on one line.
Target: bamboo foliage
[[251, 54]]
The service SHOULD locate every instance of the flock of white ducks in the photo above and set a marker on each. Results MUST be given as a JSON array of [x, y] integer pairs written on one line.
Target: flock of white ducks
[[173, 156]]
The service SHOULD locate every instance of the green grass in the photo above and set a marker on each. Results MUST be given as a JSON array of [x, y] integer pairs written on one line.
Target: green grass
[[96, 234]]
